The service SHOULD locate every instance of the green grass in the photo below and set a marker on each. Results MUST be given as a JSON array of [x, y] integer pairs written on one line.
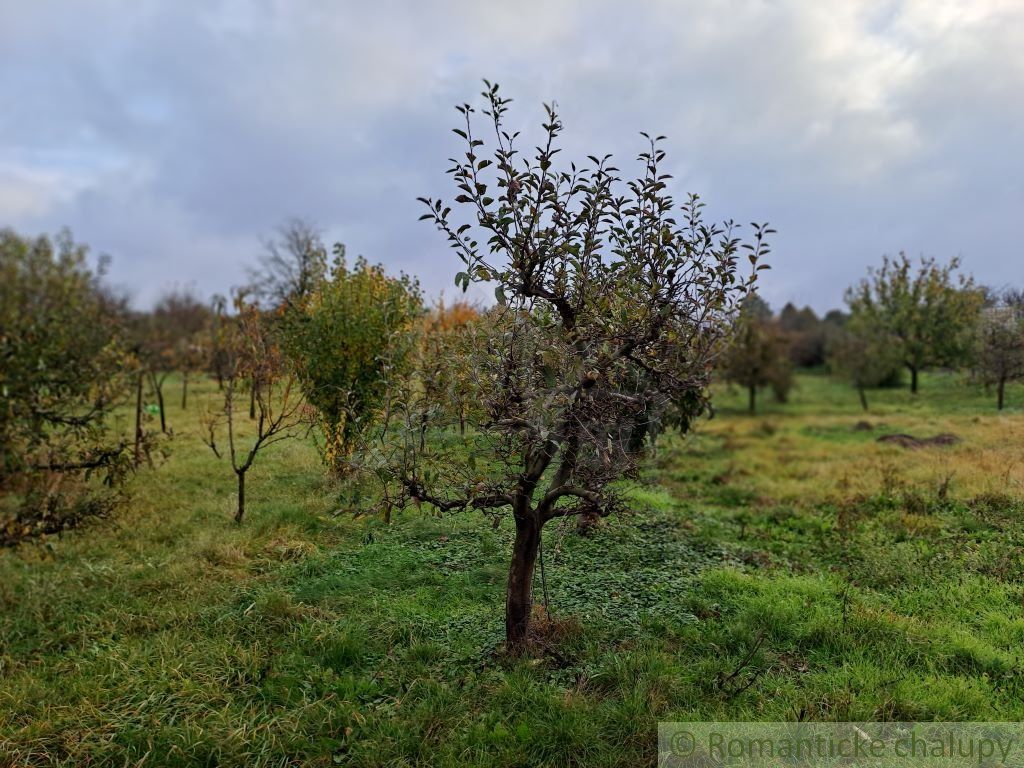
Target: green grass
[[873, 582]]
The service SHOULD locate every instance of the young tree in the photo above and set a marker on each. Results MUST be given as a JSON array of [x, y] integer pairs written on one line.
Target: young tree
[[999, 357], [153, 347], [863, 358], [929, 314], [181, 318], [253, 355], [757, 355], [343, 341], [214, 340], [609, 307]]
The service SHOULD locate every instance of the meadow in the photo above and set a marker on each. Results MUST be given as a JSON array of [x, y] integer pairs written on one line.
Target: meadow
[[777, 566]]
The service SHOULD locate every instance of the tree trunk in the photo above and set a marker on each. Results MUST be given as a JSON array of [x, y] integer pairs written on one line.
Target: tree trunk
[[1000, 391], [138, 421], [519, 593], [753, 398], [158, 389], [638, 434], [863, 398], [252, 400], [913, 379], [184, 390], [241, 496]]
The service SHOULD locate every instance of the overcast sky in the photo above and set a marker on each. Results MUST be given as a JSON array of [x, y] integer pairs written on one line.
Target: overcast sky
[[175, 134]]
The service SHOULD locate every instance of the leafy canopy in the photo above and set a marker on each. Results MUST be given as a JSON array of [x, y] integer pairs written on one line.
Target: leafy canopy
[[64, 371], [346, 336], [757, 354], [928, 314], [62, 351], [999, 352], [612, 299]]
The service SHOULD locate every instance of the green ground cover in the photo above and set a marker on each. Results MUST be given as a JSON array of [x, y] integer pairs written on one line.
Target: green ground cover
[[776, 566]]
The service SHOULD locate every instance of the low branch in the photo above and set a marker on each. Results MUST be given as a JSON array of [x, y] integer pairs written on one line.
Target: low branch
[[104, 458], [547, 510], [488, 501]]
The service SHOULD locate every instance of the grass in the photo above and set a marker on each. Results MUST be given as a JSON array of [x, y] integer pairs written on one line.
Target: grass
[[857, 581]]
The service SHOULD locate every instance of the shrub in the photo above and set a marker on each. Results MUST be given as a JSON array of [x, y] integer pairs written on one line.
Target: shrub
[[344, 339], [65, 369]]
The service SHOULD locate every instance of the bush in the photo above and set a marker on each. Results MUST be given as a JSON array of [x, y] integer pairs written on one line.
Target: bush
[[65, 369], [344, 339]]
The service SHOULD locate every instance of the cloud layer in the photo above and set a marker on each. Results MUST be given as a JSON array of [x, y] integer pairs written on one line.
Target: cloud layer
[[174, 136]]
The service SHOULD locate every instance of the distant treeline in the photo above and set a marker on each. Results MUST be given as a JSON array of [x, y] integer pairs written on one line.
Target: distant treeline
[[903, 318]]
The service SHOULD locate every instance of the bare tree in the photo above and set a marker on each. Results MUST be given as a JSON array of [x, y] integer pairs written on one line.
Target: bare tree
[[253, 355], [292, 265]]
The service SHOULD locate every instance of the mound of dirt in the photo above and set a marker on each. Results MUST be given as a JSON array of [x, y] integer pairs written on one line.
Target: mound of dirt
[[909, 441], [863, 426]]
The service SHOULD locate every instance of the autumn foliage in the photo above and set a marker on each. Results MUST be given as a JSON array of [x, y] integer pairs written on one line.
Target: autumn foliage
[[343, 340]]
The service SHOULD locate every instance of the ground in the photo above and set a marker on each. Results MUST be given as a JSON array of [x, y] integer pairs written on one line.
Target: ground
[[777, 566]]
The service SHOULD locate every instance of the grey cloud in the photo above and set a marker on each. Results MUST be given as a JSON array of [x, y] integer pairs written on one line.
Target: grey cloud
[[174, 138]]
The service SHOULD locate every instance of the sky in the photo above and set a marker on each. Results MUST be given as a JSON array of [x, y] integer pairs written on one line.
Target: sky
[[177, 135]]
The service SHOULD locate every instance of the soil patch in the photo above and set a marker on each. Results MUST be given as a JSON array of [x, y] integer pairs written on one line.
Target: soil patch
[[909, 441]]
